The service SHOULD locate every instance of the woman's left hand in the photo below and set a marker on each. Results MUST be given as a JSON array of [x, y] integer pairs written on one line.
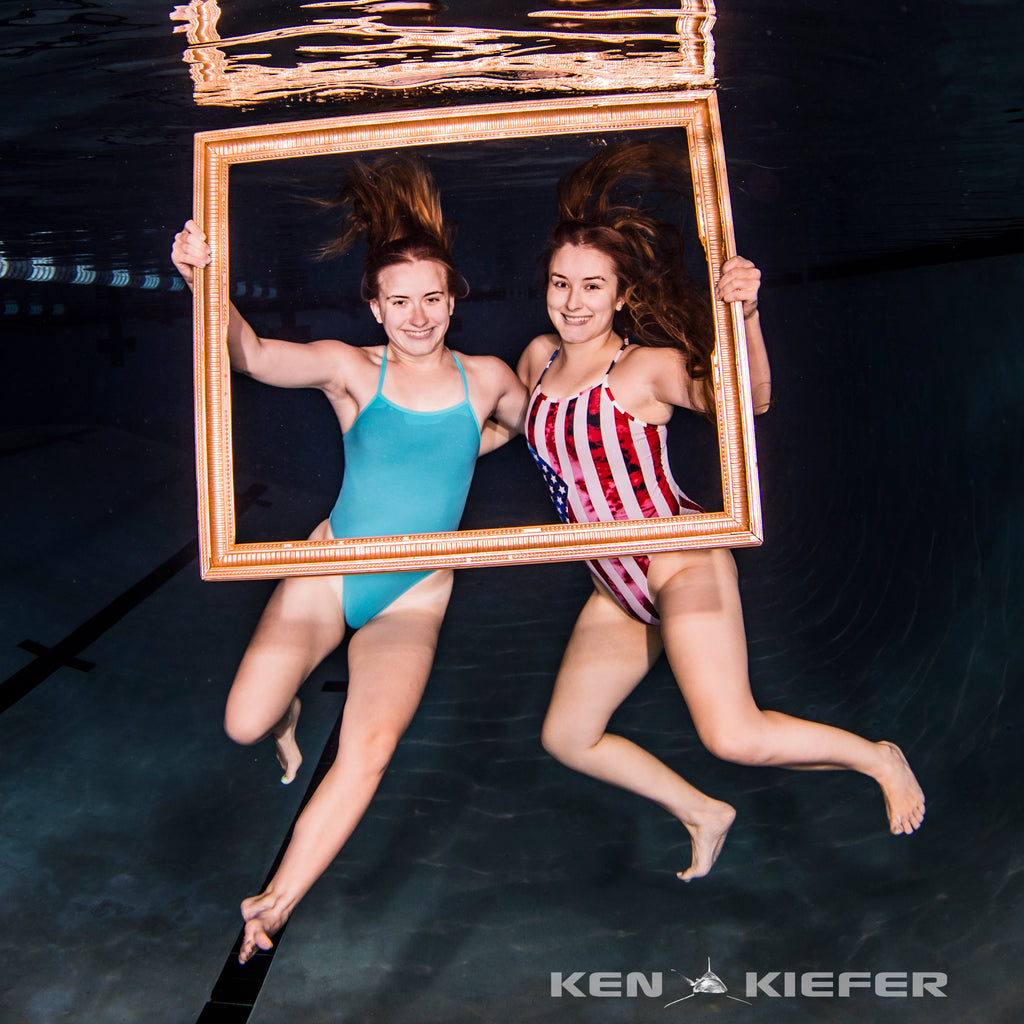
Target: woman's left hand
[[739, 282]]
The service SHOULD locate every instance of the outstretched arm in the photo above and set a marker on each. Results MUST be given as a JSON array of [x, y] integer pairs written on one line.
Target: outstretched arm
[[740, 282], [281, 363]]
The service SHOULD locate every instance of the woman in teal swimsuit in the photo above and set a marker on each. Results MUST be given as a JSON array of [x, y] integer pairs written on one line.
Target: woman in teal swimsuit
[[410, 412]]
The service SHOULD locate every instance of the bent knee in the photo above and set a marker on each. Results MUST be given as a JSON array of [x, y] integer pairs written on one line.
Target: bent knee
[[243, 729], [734, 743], [551, 740], [564, 741]]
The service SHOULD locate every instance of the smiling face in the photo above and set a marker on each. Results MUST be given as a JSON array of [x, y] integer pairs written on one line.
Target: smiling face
[[414, 305], [583, 293]]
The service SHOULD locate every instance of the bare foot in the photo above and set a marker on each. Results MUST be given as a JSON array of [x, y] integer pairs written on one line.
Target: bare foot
[[707, 836], [904, 799], [263, 918], [288, 754]]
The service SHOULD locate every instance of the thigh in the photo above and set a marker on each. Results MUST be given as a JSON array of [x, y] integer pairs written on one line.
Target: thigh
[[390, 658], [302, 623], [697, 595], [608, 654]]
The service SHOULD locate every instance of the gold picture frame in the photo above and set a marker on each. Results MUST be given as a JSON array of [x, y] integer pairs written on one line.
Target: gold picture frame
[[216, 152]]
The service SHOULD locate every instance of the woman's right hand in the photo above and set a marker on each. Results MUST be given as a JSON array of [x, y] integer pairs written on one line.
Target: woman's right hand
[[190, 251]]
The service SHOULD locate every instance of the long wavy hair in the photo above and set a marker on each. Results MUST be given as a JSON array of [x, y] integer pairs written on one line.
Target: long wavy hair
[[393, 203], [662, 305]]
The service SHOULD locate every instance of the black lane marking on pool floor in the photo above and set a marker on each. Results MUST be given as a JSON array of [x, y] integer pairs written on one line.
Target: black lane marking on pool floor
[[65, 652], [237, 988]]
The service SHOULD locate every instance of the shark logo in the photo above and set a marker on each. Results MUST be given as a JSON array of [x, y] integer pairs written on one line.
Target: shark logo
[[708, 982]]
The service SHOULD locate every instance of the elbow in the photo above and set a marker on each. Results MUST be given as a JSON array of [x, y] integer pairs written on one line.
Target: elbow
[[244, 368], [761, 395]]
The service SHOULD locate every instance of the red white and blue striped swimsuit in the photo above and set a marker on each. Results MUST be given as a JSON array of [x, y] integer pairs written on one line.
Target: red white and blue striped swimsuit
[[602, 464]]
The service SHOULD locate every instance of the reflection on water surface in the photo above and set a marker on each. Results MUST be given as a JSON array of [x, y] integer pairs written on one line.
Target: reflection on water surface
[[463, 46]]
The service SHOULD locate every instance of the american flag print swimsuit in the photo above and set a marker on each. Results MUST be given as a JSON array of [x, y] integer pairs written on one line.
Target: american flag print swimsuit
[[601, 464]]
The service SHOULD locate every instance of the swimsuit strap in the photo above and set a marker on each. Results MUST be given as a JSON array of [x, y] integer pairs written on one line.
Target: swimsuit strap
[[383, 367], [384, 364], [604, 380], [547, 367], [465, 383]]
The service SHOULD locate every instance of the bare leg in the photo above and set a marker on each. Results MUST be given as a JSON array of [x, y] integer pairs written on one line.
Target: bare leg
[[608, 654], [702, 628], [302, 623], [389, 661]]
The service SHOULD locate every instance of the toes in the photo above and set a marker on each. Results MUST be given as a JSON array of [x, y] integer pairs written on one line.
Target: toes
[[290, 763], [690, 874], [909, 823]]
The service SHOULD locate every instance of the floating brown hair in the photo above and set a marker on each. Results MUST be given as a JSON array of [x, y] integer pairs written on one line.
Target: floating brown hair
[[393, 203], [662, 304]]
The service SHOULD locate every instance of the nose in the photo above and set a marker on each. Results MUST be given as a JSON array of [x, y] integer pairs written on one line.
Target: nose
[[574, 300], [418, 314]]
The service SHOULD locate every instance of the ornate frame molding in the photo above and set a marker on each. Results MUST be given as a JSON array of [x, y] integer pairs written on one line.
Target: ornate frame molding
[[739, 524]]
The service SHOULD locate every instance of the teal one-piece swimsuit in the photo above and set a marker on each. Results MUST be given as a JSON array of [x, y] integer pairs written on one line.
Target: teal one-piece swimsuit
[[405, 472]]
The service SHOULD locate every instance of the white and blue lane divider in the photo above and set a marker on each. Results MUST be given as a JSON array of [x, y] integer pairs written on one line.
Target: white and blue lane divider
[[42, 270]]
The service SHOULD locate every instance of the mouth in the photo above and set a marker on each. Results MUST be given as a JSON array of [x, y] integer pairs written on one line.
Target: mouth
[[575, 321]]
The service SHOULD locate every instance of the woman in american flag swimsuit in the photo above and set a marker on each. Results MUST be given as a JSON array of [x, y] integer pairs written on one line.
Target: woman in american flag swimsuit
[[596, 427]]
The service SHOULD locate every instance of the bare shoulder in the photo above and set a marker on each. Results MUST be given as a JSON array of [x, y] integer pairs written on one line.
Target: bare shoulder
[[489, 378], [535, 357], [649, 359], [346, 367], [327, 348], [346, 351], [649, 380], [485, 367]]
